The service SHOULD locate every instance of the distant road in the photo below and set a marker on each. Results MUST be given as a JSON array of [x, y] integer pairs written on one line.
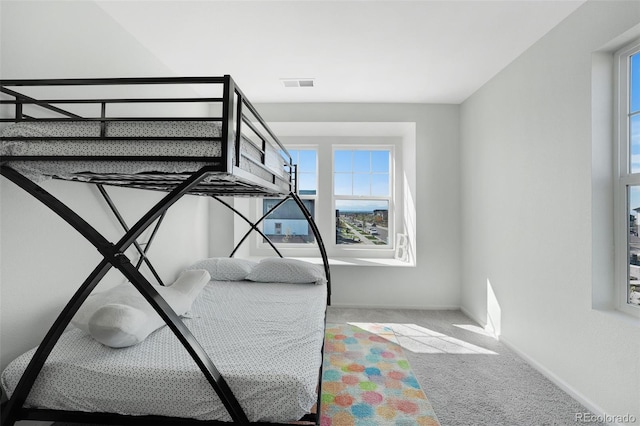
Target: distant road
[[363, 239], [383, 233]]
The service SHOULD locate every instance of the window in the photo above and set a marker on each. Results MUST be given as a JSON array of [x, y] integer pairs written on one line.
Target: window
[[361, 199], [362, 196], [354, 188], [627, 193], [287, 224]]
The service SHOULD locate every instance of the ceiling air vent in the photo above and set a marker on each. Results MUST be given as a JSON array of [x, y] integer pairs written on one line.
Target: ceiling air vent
[[297, 82]]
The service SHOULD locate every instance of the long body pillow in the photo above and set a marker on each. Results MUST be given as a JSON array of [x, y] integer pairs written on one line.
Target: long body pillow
[[121, 316]]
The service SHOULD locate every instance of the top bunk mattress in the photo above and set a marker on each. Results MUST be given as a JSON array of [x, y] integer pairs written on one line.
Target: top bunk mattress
[[264, 338], [86, 139]]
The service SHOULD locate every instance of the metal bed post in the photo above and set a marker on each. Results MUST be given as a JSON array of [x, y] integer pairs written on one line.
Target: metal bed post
[[228, 130], [238, 129], [103, 123], [18, 112], [114, 256]]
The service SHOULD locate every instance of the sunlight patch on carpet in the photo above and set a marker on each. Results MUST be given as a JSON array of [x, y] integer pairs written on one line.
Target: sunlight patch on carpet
[[419, 339]]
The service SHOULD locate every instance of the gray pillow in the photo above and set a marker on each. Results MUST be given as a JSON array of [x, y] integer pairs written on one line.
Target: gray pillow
[[279, 270], [225, 268]]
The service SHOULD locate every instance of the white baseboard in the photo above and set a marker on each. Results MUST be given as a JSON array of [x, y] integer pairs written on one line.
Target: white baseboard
[[588, 404]]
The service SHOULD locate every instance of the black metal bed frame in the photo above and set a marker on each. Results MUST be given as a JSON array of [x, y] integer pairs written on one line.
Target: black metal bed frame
[[229, 180]]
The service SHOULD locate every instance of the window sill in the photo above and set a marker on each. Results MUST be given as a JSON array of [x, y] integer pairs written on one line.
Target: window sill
[[618, 315], [357, 261]]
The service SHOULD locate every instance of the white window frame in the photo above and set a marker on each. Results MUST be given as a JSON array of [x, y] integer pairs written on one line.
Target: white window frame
[[390, 198], [623, 178], [324, 203]]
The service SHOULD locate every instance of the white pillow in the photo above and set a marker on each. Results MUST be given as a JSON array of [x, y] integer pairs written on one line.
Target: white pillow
[[279, 270], [225, 268], [121, 316]]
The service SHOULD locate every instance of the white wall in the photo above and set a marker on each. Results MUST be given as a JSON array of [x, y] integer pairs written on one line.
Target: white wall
[[526, 164], [435, 281], [43, 260], [503, 200]]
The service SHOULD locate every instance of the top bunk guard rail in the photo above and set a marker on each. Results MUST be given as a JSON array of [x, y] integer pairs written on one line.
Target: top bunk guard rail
[[250, 153]]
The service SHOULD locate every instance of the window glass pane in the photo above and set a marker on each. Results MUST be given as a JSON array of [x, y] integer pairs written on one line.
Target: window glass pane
[[287, 223], [634, 144], [307, 160], [634, 83], [380, 185], [362, 222], [362, 161], [342, 161], [361, 185], [633, 289], [285, 156], [362, 173], [380, 161], [343, 184], [307, 184]]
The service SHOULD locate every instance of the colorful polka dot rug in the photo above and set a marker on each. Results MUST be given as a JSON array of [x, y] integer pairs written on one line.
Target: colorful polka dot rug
[[367, 381]]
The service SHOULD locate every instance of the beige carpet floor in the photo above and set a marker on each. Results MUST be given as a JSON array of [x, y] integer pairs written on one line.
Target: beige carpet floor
[[470, 378]]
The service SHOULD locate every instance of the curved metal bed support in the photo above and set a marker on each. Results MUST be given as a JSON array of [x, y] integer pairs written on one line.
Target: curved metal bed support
[[142, 252], [114, 256], [254, 226], [308, 218], [316, 233]]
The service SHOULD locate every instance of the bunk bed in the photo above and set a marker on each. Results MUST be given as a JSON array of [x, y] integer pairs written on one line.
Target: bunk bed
[[180, 135]]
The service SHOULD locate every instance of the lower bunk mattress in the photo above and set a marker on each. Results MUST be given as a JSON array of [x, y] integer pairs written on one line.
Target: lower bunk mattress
[[264, 338]]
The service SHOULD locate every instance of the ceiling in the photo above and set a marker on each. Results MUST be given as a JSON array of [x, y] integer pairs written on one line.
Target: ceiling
[[355, 51]]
